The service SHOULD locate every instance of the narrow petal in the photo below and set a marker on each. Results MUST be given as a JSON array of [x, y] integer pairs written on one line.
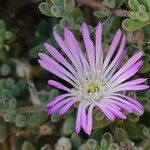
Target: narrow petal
[[116, 112], [106, 112], [55, 53], [107, 102], [84, 117], [72, 48], [132, 82], [121, 105], [128, 73], [120, 51], [88, 45], [131, 88], [53, 70], [85, 64], [66, 107], [49, 60], [115, 67], [98, 46], [127, 65], [58, 85], [89, 120], [112, 49], [58, 106], [78, 119], [63, 46], [130, 99], [132, 105], [58, 98]]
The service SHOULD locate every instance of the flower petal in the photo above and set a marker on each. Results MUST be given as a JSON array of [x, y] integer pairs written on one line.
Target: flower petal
[[55, 53], [106, 112], [120, 51], [112, 49], [88, 45], [78, 119], [98, 46], [89, 119], [127, 74], [127, 65], [63, 46], [58, 98], [53, 70], [58, 85], [66, 107], [57, 106]]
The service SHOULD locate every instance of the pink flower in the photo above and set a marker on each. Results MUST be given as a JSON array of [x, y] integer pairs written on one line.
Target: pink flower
[[95, 80]]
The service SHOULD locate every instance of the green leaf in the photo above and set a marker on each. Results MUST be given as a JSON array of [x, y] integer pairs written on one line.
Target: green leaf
[[56, 11], [28, 146], [102, 13], [142, 16], [113, 146], [76, 140], [134, 5], [36, 119], [132, 25], [77, 13], [2, 27], [69, 5], [8, 35], [45, 8], [109, 3], [20, 120], [68, 126], [57, 2], [120, 134]]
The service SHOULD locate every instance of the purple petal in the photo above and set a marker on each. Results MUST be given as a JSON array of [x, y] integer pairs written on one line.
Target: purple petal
[[89, 120], [132, 82], [127, 65], [131, 100], [64, 47], [66, 107], [72, 48], [57, 99], [49, 60], [58, 106], [121, 105], [116, 112], [115, 67], [106, 112], [120, 51], [84, 117], [58, 85], [112, 49], [107, 102], [98, 46], [135, 107], [60, 58], [131, 88], [78, 119], [85, 64], [88, 45], [54, 70], [128, 73]]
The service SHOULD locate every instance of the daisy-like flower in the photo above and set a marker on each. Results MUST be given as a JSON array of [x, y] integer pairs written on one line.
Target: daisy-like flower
[[96, 81]]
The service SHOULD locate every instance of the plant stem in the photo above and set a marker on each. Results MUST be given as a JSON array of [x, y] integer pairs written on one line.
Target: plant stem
[[28, 109]]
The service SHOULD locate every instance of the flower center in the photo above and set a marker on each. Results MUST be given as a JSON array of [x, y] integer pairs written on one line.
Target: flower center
[[91, 91], [93, 87]]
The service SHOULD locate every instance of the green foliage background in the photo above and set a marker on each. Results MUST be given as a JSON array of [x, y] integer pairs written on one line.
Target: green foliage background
[[24, 27]]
